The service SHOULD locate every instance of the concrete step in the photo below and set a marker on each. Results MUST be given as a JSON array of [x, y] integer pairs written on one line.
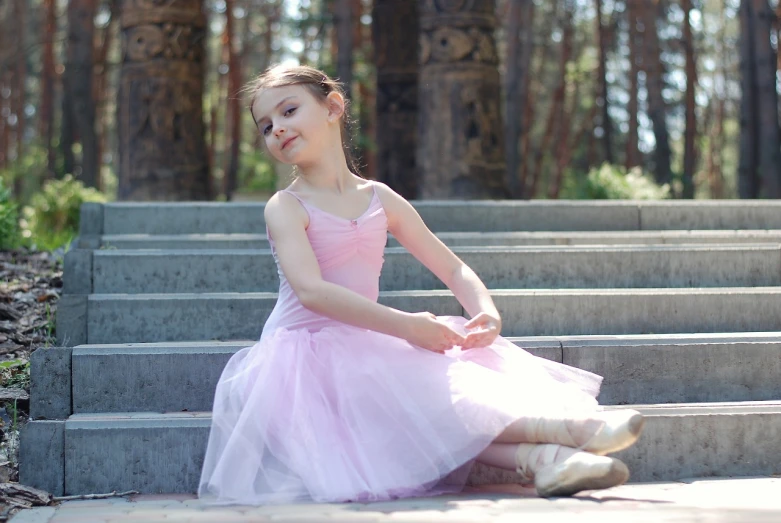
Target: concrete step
[[677, 237], [163, 453], [542, 267], [449, 216], [170, 377], [118, 318], [454, 239]]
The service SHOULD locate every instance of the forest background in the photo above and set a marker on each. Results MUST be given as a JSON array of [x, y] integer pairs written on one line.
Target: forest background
[[599, 99]]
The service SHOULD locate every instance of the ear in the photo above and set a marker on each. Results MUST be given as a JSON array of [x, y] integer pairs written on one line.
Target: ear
[[335, 103]]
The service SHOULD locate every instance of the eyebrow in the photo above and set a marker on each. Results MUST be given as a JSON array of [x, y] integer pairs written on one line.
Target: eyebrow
[[285, 99]]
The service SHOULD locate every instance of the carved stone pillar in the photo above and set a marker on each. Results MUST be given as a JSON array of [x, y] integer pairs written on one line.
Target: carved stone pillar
[[162, 148], [395, 32], [461, 140]]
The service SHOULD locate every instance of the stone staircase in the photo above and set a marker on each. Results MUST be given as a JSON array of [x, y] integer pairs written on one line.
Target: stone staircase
[[676, 304]]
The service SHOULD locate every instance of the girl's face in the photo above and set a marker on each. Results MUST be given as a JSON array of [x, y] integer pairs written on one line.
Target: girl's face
[[295, 126]]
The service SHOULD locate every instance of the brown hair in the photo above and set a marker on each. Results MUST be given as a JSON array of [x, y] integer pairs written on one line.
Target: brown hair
[[318, 84]]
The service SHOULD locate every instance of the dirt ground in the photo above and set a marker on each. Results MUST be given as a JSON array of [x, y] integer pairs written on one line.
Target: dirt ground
[[30, 288]]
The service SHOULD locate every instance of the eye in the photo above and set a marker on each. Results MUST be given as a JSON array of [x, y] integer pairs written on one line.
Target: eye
[[290, 111], [266, 129]]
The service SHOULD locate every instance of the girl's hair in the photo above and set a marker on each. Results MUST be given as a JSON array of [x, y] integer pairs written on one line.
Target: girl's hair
[[318, 84]]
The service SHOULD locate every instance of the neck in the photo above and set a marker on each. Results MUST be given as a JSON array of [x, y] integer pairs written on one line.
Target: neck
[[328, 173]]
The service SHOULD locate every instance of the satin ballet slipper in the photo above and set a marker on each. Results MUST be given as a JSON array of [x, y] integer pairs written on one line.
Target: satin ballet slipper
[[622, 428], [563, 471], [600, 433]]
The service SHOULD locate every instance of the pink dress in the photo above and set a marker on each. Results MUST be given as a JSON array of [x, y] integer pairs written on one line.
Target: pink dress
[[318, 410]]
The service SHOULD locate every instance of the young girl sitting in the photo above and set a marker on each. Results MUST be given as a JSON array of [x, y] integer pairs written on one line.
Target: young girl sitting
[[344, 399]]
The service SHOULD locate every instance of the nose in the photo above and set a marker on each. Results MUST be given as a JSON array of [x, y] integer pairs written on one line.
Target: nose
[[279, 131]]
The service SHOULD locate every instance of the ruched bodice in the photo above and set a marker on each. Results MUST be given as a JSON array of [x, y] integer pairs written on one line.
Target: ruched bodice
[[349, 253]]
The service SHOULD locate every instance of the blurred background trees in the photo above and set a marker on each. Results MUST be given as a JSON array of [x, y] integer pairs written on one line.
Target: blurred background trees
[[678, 94]]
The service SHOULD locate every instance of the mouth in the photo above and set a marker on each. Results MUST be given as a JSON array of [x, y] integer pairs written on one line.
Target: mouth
[[288, 142]]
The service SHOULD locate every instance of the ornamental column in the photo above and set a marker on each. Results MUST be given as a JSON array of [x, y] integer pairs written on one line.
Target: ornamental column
[[162, 148], [460, 150]]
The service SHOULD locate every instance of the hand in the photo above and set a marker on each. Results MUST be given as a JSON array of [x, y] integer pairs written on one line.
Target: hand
[[427, 332], [482, 330]]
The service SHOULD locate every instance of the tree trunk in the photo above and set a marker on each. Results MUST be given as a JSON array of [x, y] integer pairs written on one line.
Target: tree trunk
[[564, 148], [5, 129], [748, 181], [101, 81], [78, 81], [690, 134], [602, 98], [48, 75], [714, 156], [394, 32], [632, 151], [160, 102], [557, 111], [461, 145], [233, 112], [654, 78], [516, 87], [344, 44], [19, 93], [529, 183], [760, 157], [767, 102]]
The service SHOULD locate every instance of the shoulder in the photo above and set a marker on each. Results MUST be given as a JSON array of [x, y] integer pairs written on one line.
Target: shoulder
[[397, 208], [283, 207], [388, 196]]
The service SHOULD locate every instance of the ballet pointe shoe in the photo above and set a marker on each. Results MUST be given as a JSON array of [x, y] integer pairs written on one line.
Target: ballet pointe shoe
[[563, 471], [621, 429], [600, 433]]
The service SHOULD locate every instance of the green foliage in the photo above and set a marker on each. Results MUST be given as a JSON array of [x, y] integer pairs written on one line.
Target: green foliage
[[52, 218], [15, 374], [30, 168], [256, 173], [9, 219], [612, 182]]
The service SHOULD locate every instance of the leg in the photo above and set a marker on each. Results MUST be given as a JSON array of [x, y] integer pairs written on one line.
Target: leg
[[600, 432], [556, 470], [499, 455]]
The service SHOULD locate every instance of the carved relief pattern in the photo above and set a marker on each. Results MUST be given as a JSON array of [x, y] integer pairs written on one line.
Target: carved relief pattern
[[450, 44], [461, 145], [161, 130]]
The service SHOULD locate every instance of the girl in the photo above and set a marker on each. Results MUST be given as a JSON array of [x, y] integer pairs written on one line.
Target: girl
[[344, 399]]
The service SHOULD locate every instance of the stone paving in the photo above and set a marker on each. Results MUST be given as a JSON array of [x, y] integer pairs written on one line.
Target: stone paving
[[697, 500]]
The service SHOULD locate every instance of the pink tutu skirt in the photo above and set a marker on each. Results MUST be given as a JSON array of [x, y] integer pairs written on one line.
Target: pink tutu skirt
[[348, 414]]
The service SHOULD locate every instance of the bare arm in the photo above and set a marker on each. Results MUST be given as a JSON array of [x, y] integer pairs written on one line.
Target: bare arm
[[287, 222], [408, 228]]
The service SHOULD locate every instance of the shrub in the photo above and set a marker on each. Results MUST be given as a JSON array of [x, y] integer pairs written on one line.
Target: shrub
[[9, 219], [612, 182], [52, 218]]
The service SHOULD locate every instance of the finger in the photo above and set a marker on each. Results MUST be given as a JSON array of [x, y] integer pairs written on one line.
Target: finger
[[454, 337], [478, 339], [474, 321]]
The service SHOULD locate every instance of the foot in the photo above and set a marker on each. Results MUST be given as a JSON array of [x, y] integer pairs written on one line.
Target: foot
[[563, 471], [599, 433], [621, 430]]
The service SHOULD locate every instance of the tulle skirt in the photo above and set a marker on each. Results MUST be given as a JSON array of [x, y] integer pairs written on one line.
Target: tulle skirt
[[348, 414]]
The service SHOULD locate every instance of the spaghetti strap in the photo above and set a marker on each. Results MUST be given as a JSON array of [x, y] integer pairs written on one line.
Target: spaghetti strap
[[313, 208], [294, 195]]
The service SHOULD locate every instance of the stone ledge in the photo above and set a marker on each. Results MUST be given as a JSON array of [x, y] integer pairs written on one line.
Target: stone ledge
[[42, 456]]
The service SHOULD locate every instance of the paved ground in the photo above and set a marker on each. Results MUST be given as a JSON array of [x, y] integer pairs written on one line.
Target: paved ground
[[700, 500]]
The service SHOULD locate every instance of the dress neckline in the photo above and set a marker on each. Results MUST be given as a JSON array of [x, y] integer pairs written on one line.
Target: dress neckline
[[350, 220]]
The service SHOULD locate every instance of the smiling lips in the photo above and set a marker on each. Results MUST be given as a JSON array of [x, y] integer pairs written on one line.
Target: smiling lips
[[288, 141]]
